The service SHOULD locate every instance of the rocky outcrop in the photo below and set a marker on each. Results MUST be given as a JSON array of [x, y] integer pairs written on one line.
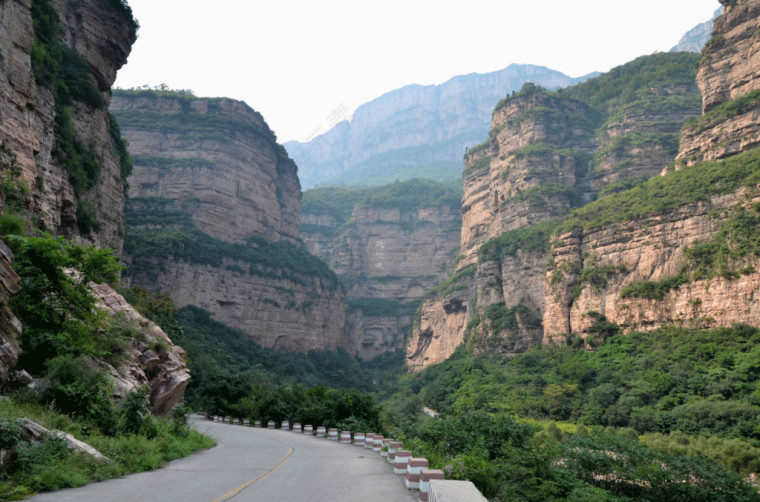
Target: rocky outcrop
[[652, 249], [10, 327], [46, 133], [213, 221], [728, 78], [403, 133], [389, 251], [153, 359], [295, 314], [547, 154], [693, 265], [218, 155]]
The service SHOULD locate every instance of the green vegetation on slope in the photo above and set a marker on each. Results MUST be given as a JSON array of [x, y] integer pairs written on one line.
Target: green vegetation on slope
[[235, 376], [68, 76], [687, 185], [339, 203], [63, 336], [672, 73], [176, 238], [689, 392]]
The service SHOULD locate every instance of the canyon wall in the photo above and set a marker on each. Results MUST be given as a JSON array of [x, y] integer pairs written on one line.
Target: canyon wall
[[213, 221], [389, 245], [547, 154], [59, 148], [693, 262]]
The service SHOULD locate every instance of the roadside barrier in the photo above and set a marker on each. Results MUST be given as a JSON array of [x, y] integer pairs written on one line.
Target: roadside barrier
[[359, 439], [430, 483], [384, 448], [369, 440], [393, 447], [399, 463], [413, 470]]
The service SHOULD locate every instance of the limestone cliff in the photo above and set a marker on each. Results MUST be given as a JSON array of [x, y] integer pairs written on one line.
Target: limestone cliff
[[728, 79], [60, 150], [390, 245], [415, 131], [213, 220], [547, 154], [217, 153], [690, 258]]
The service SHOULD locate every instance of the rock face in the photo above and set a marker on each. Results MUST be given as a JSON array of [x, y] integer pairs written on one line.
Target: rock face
[[388, 250], [661, 268], [412, 130], [35, 117], [213, 221], [547, 153], [154, 360], [728, 79], [220, 154], [10, 327]]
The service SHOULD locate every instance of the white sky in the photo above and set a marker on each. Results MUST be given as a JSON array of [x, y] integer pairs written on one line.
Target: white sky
[[299, 62]]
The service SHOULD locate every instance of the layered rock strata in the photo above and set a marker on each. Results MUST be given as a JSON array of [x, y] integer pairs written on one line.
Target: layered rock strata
[[45, 132], [547, 154], [684, 266], [213, 221], [388, 257], [217, 154]]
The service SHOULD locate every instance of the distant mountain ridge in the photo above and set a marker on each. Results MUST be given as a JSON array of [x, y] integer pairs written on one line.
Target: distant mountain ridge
[[696, 38], [414, 131]]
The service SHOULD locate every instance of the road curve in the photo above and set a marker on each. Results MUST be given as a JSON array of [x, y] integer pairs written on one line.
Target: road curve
[[258, 465]]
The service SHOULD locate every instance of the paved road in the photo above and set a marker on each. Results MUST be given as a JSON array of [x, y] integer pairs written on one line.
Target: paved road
[[258, 465]]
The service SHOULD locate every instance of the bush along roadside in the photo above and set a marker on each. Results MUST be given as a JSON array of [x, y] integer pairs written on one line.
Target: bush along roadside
[[65, 339]]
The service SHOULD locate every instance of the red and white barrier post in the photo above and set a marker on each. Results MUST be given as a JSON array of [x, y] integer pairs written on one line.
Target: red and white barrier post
[[413, 470], [321, 431], [369, 441], [345, 437], [308, 429], [270, 424], [393, 447], [399, 463], [332, 434], [297, 428], [359, 439]]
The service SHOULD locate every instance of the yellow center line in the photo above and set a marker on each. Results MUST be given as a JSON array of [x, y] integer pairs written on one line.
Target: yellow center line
[[240, 488]]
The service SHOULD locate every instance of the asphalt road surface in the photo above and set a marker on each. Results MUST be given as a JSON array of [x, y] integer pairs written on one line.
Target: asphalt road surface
[[258, 465]]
